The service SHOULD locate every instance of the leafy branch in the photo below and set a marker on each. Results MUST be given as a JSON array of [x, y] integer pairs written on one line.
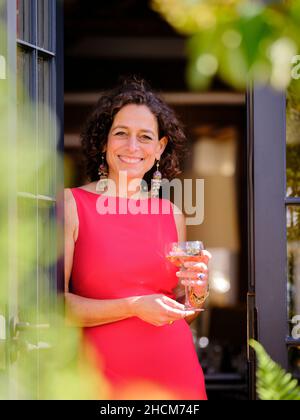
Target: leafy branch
[[237, 40], [273, 383]]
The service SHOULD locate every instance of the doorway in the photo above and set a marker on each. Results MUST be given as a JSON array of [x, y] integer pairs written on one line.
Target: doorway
[[103, 43]]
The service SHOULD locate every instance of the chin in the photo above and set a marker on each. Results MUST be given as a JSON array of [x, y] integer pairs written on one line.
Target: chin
[[134, 172]]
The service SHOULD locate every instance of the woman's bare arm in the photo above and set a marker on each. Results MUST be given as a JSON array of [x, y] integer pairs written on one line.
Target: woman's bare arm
[[84, 312]]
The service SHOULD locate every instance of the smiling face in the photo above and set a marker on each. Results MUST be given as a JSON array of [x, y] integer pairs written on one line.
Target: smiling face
[[133, 142]]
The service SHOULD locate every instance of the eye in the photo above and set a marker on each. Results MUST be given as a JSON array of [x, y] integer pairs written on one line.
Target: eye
[[146, 137], [120, 133]]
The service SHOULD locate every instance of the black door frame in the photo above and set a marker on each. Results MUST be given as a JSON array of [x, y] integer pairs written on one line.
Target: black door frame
[[267, 225], [267, 297]]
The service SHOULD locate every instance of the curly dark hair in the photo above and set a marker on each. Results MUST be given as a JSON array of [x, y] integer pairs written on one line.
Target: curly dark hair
[[133, 89]]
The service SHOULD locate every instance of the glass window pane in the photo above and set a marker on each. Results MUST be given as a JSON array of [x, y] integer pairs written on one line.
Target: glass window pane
[[46, 257], [293, 141], [25, 20], [45, 24], [45, 129], [293, 245], [27, 259], [25, 80], [26, 136], [40, 31]]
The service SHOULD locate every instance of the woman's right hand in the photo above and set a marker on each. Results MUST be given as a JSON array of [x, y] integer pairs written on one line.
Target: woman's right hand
[[158, 309]]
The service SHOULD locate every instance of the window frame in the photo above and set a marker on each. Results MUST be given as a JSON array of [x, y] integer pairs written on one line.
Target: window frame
[[35, 197]]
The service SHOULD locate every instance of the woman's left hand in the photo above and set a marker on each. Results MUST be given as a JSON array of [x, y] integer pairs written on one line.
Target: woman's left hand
[[197, 273]]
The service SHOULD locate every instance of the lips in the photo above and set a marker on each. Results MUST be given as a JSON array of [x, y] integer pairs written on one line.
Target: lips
[[130, 160]]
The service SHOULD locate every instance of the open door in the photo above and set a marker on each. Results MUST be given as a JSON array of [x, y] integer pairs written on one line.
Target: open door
[[274, 226]]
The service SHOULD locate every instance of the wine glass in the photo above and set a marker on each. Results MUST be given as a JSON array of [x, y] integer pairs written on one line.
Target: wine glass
[[178, 253]]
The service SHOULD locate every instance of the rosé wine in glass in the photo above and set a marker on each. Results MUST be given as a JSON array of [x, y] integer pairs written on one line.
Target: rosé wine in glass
[[178, 253]]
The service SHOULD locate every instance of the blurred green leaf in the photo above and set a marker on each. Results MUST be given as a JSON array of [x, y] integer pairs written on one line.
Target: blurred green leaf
[[273, 383], [250, 40], [50, 364]]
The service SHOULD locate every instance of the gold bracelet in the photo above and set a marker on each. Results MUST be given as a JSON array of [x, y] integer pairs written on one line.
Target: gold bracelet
[[196, 300]]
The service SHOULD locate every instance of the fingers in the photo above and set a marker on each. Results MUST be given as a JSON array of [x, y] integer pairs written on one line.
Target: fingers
[[186, 282], [198, 266], [203, 259], [173, 303], [206, 257], [173, 313], [194, 271], [175, 310], [160, 310], [192, 275]]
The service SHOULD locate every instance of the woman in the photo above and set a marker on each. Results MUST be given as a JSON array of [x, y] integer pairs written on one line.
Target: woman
[[119, 286]]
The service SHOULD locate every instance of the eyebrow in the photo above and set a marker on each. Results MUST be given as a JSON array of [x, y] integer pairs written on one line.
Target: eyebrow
[[143, 129]]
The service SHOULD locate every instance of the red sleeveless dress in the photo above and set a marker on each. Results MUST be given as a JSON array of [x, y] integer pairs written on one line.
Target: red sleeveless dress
[[119, 255]]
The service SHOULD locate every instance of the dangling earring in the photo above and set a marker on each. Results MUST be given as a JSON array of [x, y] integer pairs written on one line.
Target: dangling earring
[[103, 172], [156, 182]]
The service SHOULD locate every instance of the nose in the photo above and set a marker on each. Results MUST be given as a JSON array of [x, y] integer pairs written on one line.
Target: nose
[[132, 144]]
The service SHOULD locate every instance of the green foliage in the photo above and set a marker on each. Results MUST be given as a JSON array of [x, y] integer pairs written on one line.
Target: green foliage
[[273, 383], [63, 373], [41, 363], [237, 40]]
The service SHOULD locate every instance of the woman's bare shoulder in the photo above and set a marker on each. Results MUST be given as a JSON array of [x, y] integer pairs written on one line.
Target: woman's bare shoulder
[[88, 187], [71, 217], [176, 209], [180, 222], [69, 198]]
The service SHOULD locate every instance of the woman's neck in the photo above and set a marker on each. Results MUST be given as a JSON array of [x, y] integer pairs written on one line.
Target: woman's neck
[[126, 189]]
